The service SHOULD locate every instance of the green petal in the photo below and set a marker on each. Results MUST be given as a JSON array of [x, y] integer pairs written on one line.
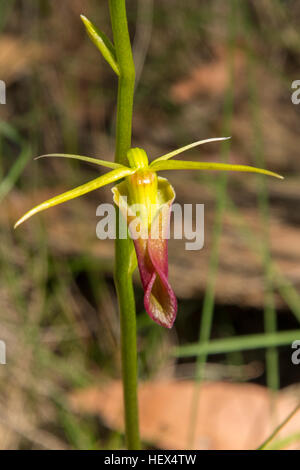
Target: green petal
[[102, 43], [182, 165], [79, 191], [187, 147], [84, 159]]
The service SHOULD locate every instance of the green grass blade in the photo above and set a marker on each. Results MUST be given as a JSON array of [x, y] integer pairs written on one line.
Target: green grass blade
[[240, 343], [279, 428], [221, 191], [286, 289], [10, 132], [8, 182], [280, 444], [270, 319]]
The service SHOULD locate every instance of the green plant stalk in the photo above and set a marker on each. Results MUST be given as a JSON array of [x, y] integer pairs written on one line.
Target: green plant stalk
[[123, 248]]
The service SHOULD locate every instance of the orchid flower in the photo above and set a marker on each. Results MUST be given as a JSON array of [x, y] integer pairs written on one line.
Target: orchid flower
[[143, 188]]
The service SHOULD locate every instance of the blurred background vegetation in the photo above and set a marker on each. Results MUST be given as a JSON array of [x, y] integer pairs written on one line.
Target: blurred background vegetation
[[204, 69]]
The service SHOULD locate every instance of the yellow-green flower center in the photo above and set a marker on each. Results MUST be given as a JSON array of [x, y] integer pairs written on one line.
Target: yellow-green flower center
[[142, 191], [137, 158]]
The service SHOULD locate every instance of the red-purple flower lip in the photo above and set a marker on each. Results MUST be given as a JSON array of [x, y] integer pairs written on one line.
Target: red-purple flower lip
[[152, 250]]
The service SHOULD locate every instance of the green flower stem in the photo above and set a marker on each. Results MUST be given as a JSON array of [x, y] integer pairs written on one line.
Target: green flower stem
[[123, 248], [126, 78]]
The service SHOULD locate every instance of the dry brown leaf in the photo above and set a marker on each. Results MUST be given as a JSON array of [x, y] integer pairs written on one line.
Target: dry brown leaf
[[17, 57], [211, 78], [230, 416]]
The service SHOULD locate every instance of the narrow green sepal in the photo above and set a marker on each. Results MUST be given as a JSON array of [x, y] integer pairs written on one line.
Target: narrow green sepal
[[83, 158], [137, 158], [172, 154], [102, 43], [103, 180], [183, 165]]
